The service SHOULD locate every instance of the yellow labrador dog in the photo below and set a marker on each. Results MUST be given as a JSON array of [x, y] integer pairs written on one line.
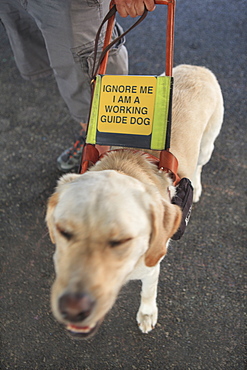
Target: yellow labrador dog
[[113, 223]]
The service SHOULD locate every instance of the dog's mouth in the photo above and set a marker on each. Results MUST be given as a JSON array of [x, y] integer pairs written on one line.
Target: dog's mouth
[[83, 332]]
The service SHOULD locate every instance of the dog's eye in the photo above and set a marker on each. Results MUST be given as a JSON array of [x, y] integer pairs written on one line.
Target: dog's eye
[[66, 234], [116, 243]]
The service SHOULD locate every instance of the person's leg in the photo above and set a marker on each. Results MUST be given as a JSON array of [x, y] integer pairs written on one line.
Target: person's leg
[[54, 21], [26, 40], [69, 29], [85, 25]]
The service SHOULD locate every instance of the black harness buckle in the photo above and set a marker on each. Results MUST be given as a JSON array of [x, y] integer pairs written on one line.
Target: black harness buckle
[[183, 199]]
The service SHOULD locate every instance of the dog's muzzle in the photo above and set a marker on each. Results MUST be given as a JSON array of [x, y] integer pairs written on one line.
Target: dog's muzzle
[[74, 309]]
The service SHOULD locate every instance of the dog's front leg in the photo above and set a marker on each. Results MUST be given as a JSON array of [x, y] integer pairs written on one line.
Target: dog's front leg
[[148, 311]]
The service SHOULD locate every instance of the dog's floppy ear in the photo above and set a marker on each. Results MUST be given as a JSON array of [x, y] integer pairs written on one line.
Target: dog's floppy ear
[[52, 202], [166, 219]]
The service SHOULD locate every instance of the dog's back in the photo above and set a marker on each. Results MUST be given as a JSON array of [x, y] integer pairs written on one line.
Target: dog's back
[[197, 117]]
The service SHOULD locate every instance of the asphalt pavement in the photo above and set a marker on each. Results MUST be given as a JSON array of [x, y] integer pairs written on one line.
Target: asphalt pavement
[[201, 295]]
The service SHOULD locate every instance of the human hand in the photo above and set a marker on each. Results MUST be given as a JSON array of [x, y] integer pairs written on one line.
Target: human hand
[[133, 8]]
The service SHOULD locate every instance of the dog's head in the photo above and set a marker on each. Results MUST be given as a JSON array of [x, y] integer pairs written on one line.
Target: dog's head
[[104, 224]]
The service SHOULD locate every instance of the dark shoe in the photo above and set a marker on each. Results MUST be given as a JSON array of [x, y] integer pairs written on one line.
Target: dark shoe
[[70, 159]]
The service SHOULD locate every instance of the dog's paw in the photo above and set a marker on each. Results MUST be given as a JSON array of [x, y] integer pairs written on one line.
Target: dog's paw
[[147, 320]]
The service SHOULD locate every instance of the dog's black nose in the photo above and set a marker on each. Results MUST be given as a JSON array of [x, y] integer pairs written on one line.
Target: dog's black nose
[[75, 307]]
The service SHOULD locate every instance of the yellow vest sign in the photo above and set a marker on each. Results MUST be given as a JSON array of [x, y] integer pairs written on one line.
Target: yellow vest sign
[[130, 111], [127, 104]]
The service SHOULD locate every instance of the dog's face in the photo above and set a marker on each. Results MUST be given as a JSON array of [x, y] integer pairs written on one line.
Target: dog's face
[[104, 224]]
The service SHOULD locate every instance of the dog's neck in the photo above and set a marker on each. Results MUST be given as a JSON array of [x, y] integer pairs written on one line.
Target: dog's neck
[[140, 166]]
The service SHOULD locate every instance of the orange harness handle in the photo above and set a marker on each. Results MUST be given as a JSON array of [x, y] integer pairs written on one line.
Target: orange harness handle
[[169, 36]]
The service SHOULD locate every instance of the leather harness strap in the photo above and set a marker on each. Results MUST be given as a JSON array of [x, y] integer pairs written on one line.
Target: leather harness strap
[[169, 163]]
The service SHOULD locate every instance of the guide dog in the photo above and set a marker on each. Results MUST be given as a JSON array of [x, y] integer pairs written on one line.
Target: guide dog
[[113, 223]]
